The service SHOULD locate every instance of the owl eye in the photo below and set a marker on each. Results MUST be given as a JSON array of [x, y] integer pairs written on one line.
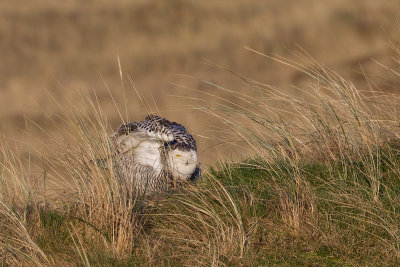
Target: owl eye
[[178, 156]]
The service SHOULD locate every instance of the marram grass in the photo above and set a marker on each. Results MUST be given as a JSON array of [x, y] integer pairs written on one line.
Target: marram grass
[[321, 187]]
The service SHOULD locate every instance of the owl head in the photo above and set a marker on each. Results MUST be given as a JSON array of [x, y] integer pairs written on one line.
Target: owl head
[[182, 163]]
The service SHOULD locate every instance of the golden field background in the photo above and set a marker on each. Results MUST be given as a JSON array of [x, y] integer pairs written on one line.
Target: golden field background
[[303, 94], [53, 53]]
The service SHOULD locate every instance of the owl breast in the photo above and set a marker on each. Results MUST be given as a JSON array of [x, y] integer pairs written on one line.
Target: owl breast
[[146, 153]]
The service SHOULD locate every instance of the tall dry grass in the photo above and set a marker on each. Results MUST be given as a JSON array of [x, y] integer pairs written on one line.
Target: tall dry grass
[[18, 212], [351, 134], [320, 187]]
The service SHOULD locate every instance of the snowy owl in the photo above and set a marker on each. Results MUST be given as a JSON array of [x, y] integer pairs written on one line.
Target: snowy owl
[[154, 154]]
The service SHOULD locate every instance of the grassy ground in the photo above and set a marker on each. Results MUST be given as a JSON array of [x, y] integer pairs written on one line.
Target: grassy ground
[[321, 189]]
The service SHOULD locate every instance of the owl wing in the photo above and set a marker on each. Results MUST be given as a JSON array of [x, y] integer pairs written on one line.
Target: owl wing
[[182, 137], [130, 135], [197, 174]]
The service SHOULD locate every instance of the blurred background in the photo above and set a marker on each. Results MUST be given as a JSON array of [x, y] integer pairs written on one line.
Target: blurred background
[[55, 52]]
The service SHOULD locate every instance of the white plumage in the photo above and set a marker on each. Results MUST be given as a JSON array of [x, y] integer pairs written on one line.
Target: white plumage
[[154, 154]]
